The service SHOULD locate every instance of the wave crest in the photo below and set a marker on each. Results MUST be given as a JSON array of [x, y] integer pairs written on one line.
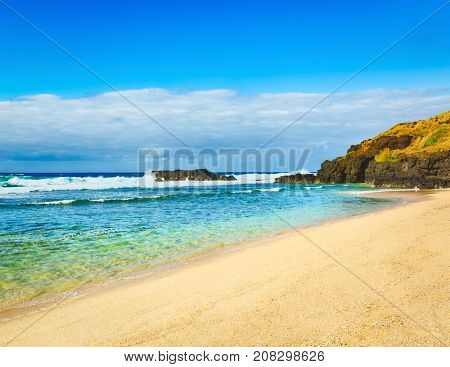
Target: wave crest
[[86, 201], [26, 184]]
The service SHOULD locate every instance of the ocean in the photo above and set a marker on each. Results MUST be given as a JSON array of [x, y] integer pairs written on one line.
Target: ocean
[[59, 231]]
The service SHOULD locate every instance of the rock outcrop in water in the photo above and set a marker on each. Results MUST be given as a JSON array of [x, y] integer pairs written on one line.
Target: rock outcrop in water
[[297, 178], [190, 175], [407, 155]]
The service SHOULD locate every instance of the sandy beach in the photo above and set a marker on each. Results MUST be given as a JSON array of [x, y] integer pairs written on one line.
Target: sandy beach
[[379, 279]]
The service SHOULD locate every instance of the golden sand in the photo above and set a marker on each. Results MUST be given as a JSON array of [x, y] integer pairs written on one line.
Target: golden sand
[[381, 279]]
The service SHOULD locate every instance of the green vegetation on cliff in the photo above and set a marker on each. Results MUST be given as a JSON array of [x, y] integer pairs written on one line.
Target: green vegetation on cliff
[[425, 136], [406, 155]]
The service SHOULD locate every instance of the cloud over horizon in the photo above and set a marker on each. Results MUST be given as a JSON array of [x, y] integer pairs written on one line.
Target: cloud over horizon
[[105, 127]]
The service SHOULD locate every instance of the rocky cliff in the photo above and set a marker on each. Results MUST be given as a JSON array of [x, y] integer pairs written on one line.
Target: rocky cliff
[[190, 175], [407, 155]]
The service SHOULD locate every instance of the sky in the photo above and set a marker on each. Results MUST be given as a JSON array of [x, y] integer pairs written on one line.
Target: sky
[[216, 74]]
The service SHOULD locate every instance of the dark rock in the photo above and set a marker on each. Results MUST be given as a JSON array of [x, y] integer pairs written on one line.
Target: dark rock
[[388, 142], [353, 148], [344, 170], [297, 178], [424, 170], [191, 175]]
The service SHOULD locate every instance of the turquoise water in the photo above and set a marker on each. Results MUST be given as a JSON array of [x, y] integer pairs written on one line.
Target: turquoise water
[[57, 232]]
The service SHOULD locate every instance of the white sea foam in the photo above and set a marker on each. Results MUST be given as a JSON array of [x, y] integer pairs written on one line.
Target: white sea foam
[[313, 187], [252, 178], [272, 189], [20, 185], [242, 192], [363, 192], [106, 200], [56, 202], [25, 184], [127, 199]]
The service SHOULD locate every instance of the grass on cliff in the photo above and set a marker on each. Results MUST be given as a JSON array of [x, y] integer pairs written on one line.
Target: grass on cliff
[[436, 136], [428, 136], [387, 155]]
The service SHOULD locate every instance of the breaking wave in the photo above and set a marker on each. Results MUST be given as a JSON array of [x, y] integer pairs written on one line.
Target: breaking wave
[[272, 189], [86, 201], [23, 185], [364, 192], [19, 184]]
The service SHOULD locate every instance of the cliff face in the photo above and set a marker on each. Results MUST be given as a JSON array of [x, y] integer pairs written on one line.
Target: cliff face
[[190, 175], [407, 155]]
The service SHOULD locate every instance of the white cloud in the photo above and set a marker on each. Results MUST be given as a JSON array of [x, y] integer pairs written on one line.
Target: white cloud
[[106, 126]]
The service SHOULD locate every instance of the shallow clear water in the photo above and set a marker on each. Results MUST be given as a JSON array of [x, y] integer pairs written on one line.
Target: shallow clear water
[[59, 231]]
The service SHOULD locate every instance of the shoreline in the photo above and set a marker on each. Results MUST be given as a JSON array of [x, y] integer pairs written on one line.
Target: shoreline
[[399, 197], [121, 289]]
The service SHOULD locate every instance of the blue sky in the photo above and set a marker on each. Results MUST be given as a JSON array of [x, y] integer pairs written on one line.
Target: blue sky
[[249, 48]]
